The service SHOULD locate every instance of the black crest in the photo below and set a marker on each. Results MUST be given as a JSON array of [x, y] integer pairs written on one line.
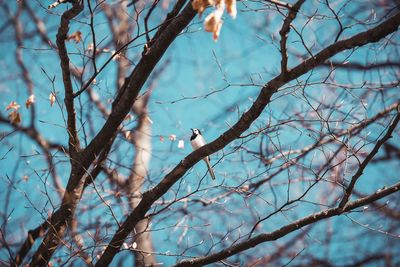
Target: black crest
[[194, 135]]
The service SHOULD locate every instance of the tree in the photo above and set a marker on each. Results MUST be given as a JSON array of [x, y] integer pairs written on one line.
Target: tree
[[300, 95]]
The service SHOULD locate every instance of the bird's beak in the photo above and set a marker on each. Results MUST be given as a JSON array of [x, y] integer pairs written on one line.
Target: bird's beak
[[192, 129]]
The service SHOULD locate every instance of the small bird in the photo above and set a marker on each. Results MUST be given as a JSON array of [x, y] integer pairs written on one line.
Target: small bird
[[197, 141]]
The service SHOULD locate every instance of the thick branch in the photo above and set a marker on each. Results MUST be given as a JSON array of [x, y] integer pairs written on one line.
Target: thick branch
[[30, 240], [284, 34], [64, 59]]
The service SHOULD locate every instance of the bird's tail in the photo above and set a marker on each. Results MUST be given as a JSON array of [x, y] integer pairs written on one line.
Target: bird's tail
[[210, 169]]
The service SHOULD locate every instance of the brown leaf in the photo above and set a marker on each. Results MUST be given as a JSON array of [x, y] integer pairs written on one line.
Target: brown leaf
[[13, 105], [90, 47], [76, 36], [30, 101], [181, 144], [128, 134], [116, 56], [231, 7], [14, 117], [213, 22], [52, 99], [128, 117], [201, 5]]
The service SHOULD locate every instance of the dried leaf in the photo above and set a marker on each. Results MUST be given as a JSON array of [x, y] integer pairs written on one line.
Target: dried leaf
[[13, 105], [181, 144], [217, 31], [172, 137], [210, 23], [128, 117], [90, 47], [161, 138], [30, 101], [213, 23], [14, 117], [116, 56], [127, 134], [245, 188], [201, 5], [231, 7], [76, 36], [52, 98]]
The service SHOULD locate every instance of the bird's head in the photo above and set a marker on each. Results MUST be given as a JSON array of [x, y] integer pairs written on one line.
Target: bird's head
[[195, 131]]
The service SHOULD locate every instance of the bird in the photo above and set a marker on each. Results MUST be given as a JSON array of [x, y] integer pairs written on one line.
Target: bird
[[197, 140]]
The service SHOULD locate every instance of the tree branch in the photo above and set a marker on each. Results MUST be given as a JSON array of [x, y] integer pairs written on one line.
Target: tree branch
[[364, 164], [62, 35], [284, 34], [285, 230], [75, 184]]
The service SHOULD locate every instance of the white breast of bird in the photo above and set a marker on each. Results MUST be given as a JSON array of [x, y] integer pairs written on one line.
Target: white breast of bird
[[198, 142]]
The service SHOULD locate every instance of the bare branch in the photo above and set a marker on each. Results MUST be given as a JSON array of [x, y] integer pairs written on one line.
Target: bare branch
[[266, 237], [365, 162]]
